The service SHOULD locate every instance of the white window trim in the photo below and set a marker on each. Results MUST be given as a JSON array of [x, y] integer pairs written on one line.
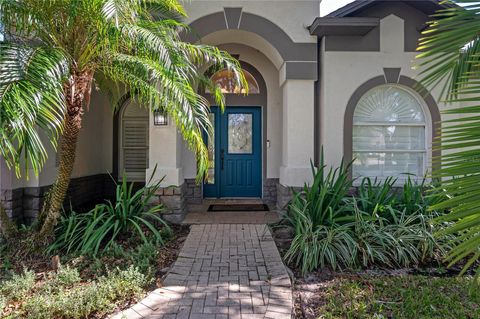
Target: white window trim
[[427, 124]]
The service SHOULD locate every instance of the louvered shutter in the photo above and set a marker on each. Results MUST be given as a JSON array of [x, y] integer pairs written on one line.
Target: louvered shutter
[[134, 143]]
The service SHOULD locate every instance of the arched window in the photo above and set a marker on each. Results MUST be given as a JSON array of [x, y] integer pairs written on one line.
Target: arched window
[[389, 134], [225, 79]]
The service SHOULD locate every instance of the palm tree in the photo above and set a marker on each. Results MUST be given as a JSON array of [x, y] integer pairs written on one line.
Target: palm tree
[[55, 51], [450, 58]]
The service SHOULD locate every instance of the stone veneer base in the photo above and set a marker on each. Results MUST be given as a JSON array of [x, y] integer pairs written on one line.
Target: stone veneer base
[[24, 204], [173, 198], [284, 195]]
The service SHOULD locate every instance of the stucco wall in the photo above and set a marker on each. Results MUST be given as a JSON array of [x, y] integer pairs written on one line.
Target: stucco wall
[[343, 72], [292, 16], [94, 149]]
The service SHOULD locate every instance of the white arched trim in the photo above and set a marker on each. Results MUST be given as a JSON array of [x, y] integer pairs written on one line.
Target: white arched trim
[[392, 133]]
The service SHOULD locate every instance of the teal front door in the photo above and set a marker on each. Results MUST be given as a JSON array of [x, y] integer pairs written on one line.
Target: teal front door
[[235, 152]]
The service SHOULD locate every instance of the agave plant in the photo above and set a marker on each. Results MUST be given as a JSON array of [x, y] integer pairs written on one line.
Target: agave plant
[[450, 58]]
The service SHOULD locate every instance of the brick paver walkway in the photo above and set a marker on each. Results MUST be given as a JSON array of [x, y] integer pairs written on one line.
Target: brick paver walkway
[[223, 271]]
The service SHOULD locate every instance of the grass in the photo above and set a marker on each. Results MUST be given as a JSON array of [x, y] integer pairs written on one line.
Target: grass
[[399, 297]]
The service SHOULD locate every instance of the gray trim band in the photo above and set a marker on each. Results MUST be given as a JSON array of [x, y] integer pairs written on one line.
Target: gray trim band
[[287, 48], [301, 70]]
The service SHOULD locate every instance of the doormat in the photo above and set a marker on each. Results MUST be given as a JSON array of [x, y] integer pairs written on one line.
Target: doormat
[[239, 208]]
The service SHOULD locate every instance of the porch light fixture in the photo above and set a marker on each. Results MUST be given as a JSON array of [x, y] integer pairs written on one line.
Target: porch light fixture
[[160, 118]]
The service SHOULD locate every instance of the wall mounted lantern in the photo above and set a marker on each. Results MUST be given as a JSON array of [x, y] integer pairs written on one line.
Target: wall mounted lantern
[[160, 118]]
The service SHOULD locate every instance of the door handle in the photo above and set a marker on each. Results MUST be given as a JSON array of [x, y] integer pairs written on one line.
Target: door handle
[[222, 158]]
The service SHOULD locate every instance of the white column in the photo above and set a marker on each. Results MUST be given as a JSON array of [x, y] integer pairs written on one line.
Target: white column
[[297, 133], [165, 151]]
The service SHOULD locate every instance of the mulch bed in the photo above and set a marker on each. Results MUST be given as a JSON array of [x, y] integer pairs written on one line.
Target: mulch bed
[[23, 257], [170, 251], [309, 292]]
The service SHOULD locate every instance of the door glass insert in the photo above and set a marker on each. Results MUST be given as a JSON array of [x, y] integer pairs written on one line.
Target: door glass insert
[[240, 126], [211, 152]]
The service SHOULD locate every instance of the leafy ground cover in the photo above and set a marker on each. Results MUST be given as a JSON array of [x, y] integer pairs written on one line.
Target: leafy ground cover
[[362, 296], [35, 285]]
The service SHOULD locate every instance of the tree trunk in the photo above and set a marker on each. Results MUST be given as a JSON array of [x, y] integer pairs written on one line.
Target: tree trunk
[[77, 91], [7, 227]]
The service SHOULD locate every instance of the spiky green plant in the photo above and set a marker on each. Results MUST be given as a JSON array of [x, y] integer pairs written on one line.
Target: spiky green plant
[[450, 59], [316, 246], [376, 194], [324, 199], [104, 225], [382, 225], [55, 51]]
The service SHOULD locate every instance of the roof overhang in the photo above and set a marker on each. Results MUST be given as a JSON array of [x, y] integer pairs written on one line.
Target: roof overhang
[[426, 6], [358, 26]]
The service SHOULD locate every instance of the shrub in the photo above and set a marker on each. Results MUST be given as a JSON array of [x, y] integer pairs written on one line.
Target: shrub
[[143, 257], [382, 226], [404, 241], [86, 233], [318, 245], [98, 297], [3, 303], [376, 195], [65, 277], [323, 201], [18, 287]]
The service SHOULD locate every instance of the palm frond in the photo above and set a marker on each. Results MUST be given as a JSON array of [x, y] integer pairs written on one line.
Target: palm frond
[[31, 96], [451, 58], [134, 44]]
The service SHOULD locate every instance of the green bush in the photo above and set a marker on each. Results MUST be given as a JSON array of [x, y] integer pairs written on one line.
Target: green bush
[[382, 225], [18, 286], [99, 297], [131, 213], [143, 257], [3, 303], [323, 202], [315, 246], [376, 195], [65, 277], [404, 241]]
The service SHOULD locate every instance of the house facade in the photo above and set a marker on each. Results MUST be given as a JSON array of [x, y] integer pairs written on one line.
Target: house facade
[[343, 83]]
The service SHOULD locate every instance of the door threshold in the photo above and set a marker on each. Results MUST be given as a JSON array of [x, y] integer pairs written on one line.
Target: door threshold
[[232, 200]]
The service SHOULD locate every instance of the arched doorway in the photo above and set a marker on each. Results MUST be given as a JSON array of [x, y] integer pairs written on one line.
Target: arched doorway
[[237, 146], [133, 141]]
